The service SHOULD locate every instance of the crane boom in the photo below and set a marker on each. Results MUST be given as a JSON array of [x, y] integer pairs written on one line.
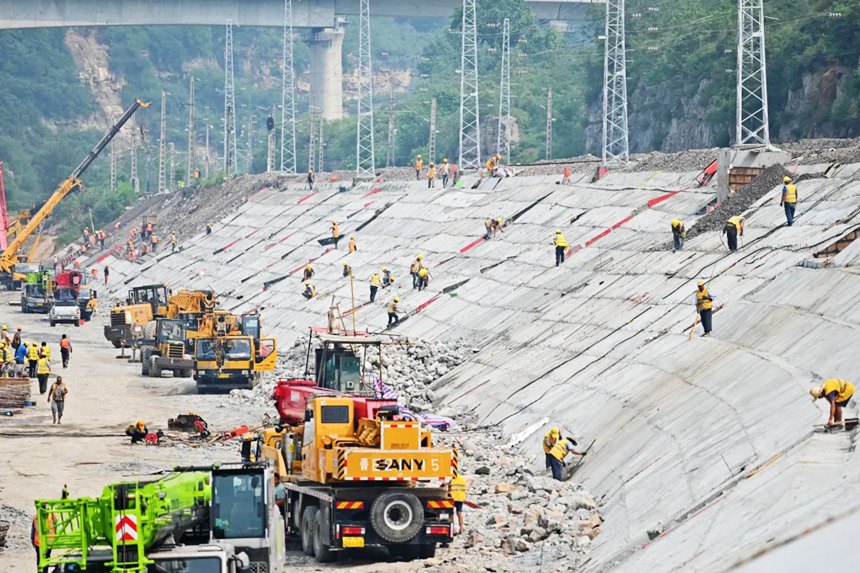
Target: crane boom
[[10, 254]]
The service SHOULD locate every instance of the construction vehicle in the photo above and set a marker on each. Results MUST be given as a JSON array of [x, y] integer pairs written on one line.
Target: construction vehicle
[[87, 301], [165, 349], [141, 306], [357, 476], [34, 293], [231, 353], [10, 255], [224, 517]]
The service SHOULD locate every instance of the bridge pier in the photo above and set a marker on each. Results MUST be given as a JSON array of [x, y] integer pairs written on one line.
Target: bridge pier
[[326, 72]]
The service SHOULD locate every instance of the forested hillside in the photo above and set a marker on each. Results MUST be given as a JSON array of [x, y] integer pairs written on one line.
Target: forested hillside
[[681, 82]]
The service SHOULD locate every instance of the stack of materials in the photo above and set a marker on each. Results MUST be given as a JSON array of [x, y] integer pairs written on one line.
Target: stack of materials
[[14, 392]]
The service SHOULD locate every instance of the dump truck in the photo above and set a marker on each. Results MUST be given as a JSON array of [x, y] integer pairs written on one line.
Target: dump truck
[[231, 353], [357, 475], [217, 519]]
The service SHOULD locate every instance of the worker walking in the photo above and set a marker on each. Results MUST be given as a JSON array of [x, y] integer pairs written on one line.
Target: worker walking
[[416, 266], [457, 491], [21, 358], [153, 238], [838, 392], [57, 399], [560, 450], [208, 228], [375, 283], [65, 350], [734, 227], [311, 179], [560, 245], [33, 359], [4, 335], [788, 199], [309, 291], [419, 167], [352, 247], [335, 233], [423, 278], [679, 233], [45, 351], [392, 312], [16, 338], [106, 273], [173, 241], [43, 369], [565, 178], [431, 176], [704, 306], [443, 172], [549, 440]]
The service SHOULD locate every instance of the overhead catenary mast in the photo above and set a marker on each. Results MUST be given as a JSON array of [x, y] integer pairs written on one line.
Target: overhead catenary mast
[[431, 145], [549, 120], [365, 163], [470, 118], [503, 135], [191, 159], [389, 151], [162, 149]]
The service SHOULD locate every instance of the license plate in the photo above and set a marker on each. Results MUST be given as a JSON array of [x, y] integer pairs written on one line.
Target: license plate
[[223, 376], [353, 541]]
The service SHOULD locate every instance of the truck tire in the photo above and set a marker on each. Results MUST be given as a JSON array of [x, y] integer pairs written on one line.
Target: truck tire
[[53, 323], [78, 322], [397, 517], [322, 550], [116, 343], [184, 373], [154, 368], [144, 366], [307, 534]]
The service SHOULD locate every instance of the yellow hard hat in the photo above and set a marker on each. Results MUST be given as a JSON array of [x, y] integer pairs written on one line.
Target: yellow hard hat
[[555, 432], [247, 436], [500, 156], [307, 283], [345, 264], [308, 267], [499, 219], [352, 236], [420, 256], [445, 160], [558, 231], [786, 179], [397, 299], [700, 283], [815, 392], [140, 423], [4, 327], [419, 156], [19, 329], [384, 269]]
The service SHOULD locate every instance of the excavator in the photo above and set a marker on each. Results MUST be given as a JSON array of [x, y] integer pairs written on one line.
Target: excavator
[[10, 256], [215, 519]]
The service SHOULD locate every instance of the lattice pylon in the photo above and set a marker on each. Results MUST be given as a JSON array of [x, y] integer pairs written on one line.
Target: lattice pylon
[[503, 135], [365, 163], [230, 151], [470, 114], [752, 114], [288, 95], [615, 130]]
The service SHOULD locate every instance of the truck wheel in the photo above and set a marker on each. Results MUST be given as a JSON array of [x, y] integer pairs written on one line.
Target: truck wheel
[[116, 343], [185, 373], [144, 367], [78, 322], [154, 369], [308, 518], [322, 550], [53, 323], [396, 517]]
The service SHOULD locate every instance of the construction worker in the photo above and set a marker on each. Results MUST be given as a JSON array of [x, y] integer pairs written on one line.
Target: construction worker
[[173, 241], [734, 227], [498, 223], [57, 399], [16, 338], [838, 392], [6, 358], [565, 178], [375, 283], [488, 227], [788, 199], [549, 440], [431, 176], [492, 163], [208, 228], [560, 450], [153, 238], [414, 268], [94, 272], [43, 369], [34, 538], [309, 291], [308, 273], [4, 335], [347, 270], [335, 233], [45, 351], [704, 306], [352, 247], [457, 491], [137, 431], [423, 278], [311, 179], [419, 167], [387, 278], [65, 350], [679, 233], [106, 273], [560, 245], [443, 172], [21, 358], [32, 359], [455, 175], [392, 312]]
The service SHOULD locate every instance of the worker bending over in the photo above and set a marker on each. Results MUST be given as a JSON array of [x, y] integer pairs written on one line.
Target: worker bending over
[[734, 227], [560, 450], [549, 440], [308, 273], [838, 392], [387, 277], [788, 199], [679, 233], [309, 291], [416, 266], [423, 278], [704, 306], [560, 246]]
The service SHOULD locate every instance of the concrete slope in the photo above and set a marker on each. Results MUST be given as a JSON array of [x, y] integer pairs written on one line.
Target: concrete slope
[[708, 440]]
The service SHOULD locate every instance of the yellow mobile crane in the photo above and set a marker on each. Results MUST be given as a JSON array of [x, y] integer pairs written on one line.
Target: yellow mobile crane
[[9, 257]]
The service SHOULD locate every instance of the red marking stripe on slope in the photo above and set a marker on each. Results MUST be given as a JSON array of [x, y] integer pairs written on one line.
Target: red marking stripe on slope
[[373, 192], [661, 198], [424, 305], [325, 252], [472, 245], [110, 252], [306, 197]]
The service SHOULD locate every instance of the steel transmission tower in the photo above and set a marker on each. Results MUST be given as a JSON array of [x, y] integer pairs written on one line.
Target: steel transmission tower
[[470, 119], [548, 123], [162, 150], [364, 158], [431, 145], [113, 166], [752, 117], [135, 180], [615, 140], [171, 175], [503, 135], [191, 160], [270, 142], [389, 151], [321, 152], [312, 141], [288, 95], [230, 167]]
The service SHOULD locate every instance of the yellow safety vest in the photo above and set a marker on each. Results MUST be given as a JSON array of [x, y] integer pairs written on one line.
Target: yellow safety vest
[[352, 247], [737, 222], [703, 300], [33, 352], [843, 388], [43, 366], [392, 307], [457, 489], [547, 443], [413, 268], [431, 173], [335, 231], [789, 193], [677, 227], [45, 352], [560, 241], [375, 281], [559, 450], [419, 165]]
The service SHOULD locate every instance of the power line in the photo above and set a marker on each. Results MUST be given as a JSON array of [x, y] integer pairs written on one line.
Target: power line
[[470, 118], [230, 163], [615, 135], [364, 153], [288, 95]]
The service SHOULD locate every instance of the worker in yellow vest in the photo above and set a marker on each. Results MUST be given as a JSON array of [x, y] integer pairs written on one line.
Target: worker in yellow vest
[[549, 440], [45, 351], [43, 369], [419, 167], [352, 247], [32, 359], [335, 233], [431, 176], [375, 283], [457, 490], [838, 392], [734, 227], [392, 312], [560, 246], [309, 291], [704, 306], [560, 450], [679, 233], [788, 199]]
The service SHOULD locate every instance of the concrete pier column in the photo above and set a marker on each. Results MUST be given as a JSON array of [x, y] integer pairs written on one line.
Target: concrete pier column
[[327, 72]]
